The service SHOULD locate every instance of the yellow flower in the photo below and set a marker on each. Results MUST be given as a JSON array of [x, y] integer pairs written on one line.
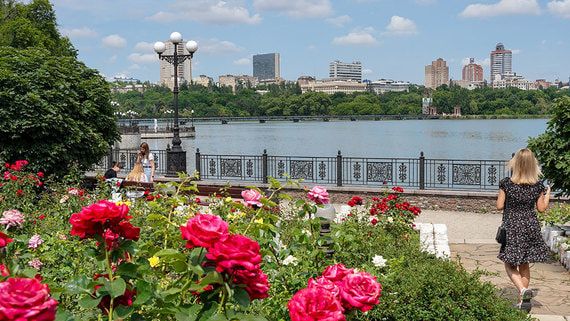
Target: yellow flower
[[128, 203], [228, 199], [259, 221], [154, 261]]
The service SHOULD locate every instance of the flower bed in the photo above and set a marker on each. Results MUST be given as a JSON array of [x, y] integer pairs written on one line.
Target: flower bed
[[162, 257]]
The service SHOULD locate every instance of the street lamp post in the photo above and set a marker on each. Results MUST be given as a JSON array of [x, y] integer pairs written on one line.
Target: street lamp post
[[176, 157], [192, 118]]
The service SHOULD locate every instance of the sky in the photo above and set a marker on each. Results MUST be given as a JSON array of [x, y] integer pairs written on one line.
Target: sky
[[393, 39]]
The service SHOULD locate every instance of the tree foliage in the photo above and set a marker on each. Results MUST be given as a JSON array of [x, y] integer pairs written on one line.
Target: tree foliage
[[287, 100], [552, 148], [55, 112]]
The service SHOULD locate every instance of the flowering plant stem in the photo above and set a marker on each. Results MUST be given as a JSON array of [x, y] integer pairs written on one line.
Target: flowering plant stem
[[111, 279]]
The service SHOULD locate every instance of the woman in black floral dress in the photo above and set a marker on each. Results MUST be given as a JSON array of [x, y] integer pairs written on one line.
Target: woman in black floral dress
[[519, 195]]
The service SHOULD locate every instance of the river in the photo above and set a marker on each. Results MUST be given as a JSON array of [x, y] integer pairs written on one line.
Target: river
[[456, 139]]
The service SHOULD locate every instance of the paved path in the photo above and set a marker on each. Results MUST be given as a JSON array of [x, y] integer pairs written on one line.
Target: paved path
[[471, 238]]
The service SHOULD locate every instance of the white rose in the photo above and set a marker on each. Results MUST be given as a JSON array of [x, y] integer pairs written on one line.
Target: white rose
[[290, 260], [379, 261]]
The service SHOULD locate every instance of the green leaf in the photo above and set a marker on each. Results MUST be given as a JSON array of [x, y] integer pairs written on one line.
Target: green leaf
[[242, 297], [122, 311], [63, 315], [144, 292], [118, 287], [88, 302], [128, 269]]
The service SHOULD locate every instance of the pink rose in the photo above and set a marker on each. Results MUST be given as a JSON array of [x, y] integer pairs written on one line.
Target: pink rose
[[325, 284], [319, 195], [12, 218], [237, 252], [360, 291], [26, 300], [337, 272], [204, 230], [251, 197], [4, 270], [315, 304]]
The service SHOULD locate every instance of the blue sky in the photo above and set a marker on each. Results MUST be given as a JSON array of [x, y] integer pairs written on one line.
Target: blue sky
[[392, 38]]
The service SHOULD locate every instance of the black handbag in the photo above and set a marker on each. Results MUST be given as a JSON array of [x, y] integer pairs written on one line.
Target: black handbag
[[501, 236]]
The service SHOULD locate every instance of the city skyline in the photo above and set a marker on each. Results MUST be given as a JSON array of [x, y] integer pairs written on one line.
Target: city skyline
[[392, 39]]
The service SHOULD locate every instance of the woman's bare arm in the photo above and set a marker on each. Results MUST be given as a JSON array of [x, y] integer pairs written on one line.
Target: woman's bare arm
[[543, 200], [501, 200]]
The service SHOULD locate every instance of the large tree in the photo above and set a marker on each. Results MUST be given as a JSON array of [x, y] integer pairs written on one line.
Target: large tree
[[553, 147], [54, 111]]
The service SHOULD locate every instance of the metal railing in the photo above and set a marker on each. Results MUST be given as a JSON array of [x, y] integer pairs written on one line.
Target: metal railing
[[128, 157], [420, 173]]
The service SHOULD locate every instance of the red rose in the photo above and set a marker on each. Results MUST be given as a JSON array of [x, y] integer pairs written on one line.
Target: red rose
[[19, 192], [94, 219], [360, 290], [315, 304], [237, 252], [325, 284], [4, 240], [126, 299], [40, 174], [256, 283], [204, 230], [398, 189], [336, 272], [4, 270], [24, 299], [355, 200], [128, 231]]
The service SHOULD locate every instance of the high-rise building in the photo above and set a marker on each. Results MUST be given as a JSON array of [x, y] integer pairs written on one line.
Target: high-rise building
[[472, 72], [167, 69], [346, 71], [501, 61], [436, 74], [267, 66]]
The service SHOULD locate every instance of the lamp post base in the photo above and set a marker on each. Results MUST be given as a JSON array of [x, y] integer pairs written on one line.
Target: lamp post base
[[175, 162]]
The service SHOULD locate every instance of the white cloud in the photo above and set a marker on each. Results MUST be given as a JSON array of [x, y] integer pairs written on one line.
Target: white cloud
[[400, 26], [134, 67], [516, 51], [559, 8], [485, 62], [296, 8], [216, 46], [144, 47], [114, 41], [366, 71], [503, 7], [139, 58], [112, 59], [83, 32], [357, 37], [339, 21], [242, 61], [208, 11]]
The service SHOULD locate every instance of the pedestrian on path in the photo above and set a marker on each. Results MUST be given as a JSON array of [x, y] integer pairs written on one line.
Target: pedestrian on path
[[146, 159], [518, 197]]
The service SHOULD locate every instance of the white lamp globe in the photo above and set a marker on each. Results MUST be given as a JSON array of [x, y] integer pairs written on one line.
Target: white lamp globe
[[192, 46], [176, 37], [159, 47]]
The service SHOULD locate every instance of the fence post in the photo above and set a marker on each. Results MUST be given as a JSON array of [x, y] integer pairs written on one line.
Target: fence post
[[264, 166], [339, 169], [110, 158], [422, 171], [198, 169]]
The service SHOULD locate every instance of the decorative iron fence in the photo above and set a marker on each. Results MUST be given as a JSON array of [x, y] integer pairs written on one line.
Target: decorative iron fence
[[418, 172], [128, 157]]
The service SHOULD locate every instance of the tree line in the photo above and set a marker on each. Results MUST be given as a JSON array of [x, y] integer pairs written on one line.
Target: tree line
[[287, 100]]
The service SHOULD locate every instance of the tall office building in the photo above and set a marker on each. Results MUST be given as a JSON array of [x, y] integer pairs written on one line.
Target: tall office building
[[501, 61], [436, 74], [472, 72], [167, 69], [345, 70], [267, 66]]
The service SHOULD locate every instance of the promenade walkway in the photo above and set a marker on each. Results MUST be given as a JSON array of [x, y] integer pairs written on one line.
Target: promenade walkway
[[471, 240]]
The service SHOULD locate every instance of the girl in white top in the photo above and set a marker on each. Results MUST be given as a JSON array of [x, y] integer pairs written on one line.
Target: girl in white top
[[146, 158]]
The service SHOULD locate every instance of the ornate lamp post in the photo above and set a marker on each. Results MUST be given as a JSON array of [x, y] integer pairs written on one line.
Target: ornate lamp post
[[176, 157]]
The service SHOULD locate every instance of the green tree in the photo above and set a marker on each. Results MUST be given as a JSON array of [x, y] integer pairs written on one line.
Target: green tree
[[552, 148], [55, 111]]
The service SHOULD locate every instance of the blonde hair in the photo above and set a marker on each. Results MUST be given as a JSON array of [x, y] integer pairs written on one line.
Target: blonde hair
[[524, 167]]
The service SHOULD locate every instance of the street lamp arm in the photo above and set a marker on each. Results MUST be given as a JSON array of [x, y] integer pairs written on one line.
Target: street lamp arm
[[180, 58]]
